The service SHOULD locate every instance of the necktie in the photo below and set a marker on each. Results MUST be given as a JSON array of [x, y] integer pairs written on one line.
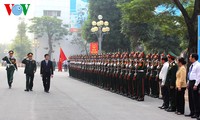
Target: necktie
[[190, 70]]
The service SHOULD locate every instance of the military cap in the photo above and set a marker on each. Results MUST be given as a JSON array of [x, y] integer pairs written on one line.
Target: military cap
[[11, 52], [172, 55], [29, 54]]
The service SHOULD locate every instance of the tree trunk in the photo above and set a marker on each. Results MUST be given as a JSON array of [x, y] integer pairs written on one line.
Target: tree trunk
[[192, 32], [50, 47]]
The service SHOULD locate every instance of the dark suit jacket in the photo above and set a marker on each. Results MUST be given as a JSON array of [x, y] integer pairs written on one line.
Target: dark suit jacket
[[171, 75], [46, 69], [30, 66]]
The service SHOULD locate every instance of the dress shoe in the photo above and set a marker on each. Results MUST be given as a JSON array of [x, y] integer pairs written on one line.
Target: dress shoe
[[155, 96], [167, 109], [31, 90], [160, 107], [164, 107], [171, 110], [46, 91], [26, 90], [194, 116], [189, 115], [134, 97], [151, 95], [179, 113], [140, 99]]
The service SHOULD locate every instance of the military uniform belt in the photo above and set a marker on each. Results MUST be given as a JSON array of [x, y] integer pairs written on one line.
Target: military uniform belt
[[140, 70], [9, 65]]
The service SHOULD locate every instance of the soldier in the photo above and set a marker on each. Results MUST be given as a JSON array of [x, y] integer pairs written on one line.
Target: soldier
[[118, 71], [148, 71], [126, 76], [11, 67], [154, 78], [122, 74], [171, 82], [30, 69], [134, 72], [140, 78]]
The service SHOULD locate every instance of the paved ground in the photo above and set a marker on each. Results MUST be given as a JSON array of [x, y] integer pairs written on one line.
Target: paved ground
[[70, 99]]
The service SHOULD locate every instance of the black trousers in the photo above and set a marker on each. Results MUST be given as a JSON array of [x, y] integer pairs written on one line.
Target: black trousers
[[134, 84], [172, 98], [29, 81], [147, 85], [193, 99], [165, 95], [180, 100], [46, 82]]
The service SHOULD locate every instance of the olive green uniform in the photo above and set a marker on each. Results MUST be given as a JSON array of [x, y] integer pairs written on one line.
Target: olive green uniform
[[11, 67]]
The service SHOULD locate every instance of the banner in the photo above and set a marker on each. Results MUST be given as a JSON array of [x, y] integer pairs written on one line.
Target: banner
[[78, 14], [94, 48], [198, 47]]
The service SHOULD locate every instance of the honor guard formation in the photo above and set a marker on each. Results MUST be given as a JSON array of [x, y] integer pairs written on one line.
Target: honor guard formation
[[130, 74], [135, 75]]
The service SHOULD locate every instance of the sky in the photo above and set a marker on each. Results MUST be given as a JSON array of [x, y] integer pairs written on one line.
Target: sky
[[161, 8], [8, 24]]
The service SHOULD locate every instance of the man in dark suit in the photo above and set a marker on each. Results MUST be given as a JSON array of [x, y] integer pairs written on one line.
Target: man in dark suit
[[30, 69], [46, 71], [171, 82]]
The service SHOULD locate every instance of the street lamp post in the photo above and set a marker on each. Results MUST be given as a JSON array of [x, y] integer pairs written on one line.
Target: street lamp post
[[36, 46], [100, 28]]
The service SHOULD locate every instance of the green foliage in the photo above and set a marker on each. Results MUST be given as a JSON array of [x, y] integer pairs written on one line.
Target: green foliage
[[3, 49], [50, 27], [21, 44], [115, 40], [156, 30]]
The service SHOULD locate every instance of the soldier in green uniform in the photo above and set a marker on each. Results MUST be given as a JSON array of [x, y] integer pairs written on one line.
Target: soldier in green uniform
[[154, 78], [11, 67], [140, 78], [134, 72], [148, 71], [171, 81], [30, 69], [118, 71]]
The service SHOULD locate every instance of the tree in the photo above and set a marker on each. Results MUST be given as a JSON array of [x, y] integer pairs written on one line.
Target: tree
[[50, 27], [3, 49], [168, 19], [21, 44], [191, 23], [115, 40], [77, 39]]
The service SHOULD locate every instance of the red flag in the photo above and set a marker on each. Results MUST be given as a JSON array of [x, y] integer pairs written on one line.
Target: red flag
[[61, 59]]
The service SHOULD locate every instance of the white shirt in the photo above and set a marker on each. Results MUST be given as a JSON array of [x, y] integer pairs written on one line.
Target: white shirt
[[163, 72], [195, 73]]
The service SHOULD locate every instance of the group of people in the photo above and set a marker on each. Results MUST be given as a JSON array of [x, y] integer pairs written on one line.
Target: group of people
[[135, 75], [46, 70]]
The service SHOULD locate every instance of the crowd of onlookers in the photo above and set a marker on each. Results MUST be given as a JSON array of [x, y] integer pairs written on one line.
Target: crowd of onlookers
[[173, 98]]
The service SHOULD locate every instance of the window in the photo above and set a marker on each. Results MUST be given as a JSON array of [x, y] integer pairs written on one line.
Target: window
[[55, 13]]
